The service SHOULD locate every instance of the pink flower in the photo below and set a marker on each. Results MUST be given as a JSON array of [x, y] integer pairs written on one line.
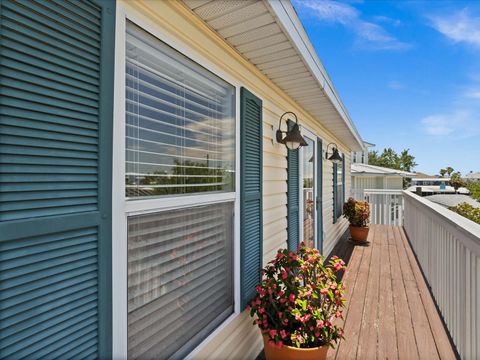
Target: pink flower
[[334, 257], [281, 292], [279, 344], [320, 324], [280, 255], [283, 334], [280, 314], [338, 314], [261, 310], [324, 291], [258, 302], [337, 266], [270, 291], [317, 334], [282, 300], [271, 343], [291, 298], [284, 275], [273, 333]]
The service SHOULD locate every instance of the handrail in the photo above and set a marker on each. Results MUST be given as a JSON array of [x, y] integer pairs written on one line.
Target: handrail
[[447, 247]]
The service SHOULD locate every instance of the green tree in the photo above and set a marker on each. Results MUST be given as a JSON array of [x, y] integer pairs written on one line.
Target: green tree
[[449, 170], [443, 172], [390, 159], [456, 181]]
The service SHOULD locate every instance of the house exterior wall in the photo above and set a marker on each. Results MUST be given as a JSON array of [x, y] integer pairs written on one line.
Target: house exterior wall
[[238, 338]]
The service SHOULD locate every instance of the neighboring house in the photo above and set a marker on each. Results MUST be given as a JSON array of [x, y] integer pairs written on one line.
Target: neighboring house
[[472, 176], [448, 200], [361, 157], [365, 176], [142, 188], [430, 185]]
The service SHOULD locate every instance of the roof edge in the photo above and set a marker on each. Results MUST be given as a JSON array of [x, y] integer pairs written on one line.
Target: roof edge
[[284, 11]]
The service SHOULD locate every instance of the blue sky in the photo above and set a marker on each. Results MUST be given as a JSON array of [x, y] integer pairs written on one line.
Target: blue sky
[[408, 72]]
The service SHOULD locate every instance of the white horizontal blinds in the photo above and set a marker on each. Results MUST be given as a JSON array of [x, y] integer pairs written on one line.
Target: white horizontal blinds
[[180, 280], [180, 130]]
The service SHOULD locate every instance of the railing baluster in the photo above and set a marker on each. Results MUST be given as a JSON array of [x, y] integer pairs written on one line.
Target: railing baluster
[[447, 247]]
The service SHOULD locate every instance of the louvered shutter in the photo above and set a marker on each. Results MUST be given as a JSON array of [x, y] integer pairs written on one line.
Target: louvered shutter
[[56, 107], [251, 236], [335, 173], [293, 216], [319, 195]]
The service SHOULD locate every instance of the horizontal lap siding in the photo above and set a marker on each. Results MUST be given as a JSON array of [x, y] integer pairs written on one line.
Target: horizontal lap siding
[[239, 339]]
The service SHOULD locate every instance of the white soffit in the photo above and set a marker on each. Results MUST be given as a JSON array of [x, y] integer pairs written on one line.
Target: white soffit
[[270, 36]]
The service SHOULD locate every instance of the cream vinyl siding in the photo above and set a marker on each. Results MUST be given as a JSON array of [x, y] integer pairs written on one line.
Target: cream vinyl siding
[[239, 339]]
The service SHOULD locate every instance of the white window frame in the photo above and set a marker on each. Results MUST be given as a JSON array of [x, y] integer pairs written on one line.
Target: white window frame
[[311, 135], [122, 208]]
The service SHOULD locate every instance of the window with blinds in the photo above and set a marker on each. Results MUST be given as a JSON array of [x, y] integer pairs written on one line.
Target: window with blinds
[[180, 140], [180, 280], [180, 128]]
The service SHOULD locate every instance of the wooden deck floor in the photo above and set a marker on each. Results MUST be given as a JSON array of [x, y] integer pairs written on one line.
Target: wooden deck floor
[[390, 313]]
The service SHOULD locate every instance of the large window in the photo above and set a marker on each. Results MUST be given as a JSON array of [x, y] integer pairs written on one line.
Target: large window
[[179, 123], [180, 141], [339, 188]]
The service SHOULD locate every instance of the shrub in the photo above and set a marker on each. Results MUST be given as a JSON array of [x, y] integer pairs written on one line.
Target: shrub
[[474, 188], [468, 211], [299, 298], [357, 212]]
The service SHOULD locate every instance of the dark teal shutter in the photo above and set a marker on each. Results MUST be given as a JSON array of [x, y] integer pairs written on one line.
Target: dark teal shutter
[[334, 174], [56, 107], [343, 182], [293, 188], [319, 195], [251, 233]]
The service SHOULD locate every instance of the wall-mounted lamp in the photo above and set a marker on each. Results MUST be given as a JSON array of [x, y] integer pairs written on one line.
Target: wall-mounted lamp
[[293, 140], [335, 156]]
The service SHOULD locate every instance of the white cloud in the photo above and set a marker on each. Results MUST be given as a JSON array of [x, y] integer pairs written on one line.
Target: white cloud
[[472, 94], [368, 35], [460, 124], [388, 20], [460, 27], [395, 85]]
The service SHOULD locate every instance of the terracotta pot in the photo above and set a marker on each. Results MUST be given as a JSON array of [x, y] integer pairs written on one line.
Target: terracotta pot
[[293, 353], [359, 233]]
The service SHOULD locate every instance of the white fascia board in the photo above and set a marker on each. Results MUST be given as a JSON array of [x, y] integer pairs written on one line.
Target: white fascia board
[[288, 19]]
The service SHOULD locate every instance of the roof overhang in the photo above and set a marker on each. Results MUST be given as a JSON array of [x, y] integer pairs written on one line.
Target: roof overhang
[[373, 170], [269, 35]]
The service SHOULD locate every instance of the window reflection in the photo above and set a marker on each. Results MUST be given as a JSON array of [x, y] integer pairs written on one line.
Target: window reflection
[[309, 193]]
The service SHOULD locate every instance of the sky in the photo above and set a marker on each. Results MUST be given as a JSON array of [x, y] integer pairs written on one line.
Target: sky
[[408, 73]]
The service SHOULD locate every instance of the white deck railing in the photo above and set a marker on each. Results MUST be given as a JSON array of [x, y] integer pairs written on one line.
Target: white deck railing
[[447, 247], [386, 205]]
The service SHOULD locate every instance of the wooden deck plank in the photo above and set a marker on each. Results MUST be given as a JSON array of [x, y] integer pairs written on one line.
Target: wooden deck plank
[[367, 343], [348, 348], [387, 339], [390, 313]]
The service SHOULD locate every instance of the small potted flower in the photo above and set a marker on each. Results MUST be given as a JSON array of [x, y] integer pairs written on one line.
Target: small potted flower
[[298, 305], [358, 215]]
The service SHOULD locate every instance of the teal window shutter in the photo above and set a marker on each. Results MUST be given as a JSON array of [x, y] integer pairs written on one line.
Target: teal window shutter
[[293, 188], [251, 167], [56, 124], [319, 195], [335, 175]]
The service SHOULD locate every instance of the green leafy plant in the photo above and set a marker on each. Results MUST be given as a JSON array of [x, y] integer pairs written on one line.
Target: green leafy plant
[[357, 212], [299, 299], [468, 211], [474, 188], [456, 181]]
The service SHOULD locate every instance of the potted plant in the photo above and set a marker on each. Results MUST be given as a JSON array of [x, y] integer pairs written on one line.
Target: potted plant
[[358, 214], [297, 304]]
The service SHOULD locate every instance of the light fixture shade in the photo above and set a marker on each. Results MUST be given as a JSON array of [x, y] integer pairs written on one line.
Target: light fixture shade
[[294, 139], [335, 157]]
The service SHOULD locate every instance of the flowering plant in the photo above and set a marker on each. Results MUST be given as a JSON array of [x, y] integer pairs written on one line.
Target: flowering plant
[[299, 298], [357, 212]]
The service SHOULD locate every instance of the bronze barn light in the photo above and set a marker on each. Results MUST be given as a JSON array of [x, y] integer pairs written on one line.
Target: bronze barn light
[[293, 139]]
